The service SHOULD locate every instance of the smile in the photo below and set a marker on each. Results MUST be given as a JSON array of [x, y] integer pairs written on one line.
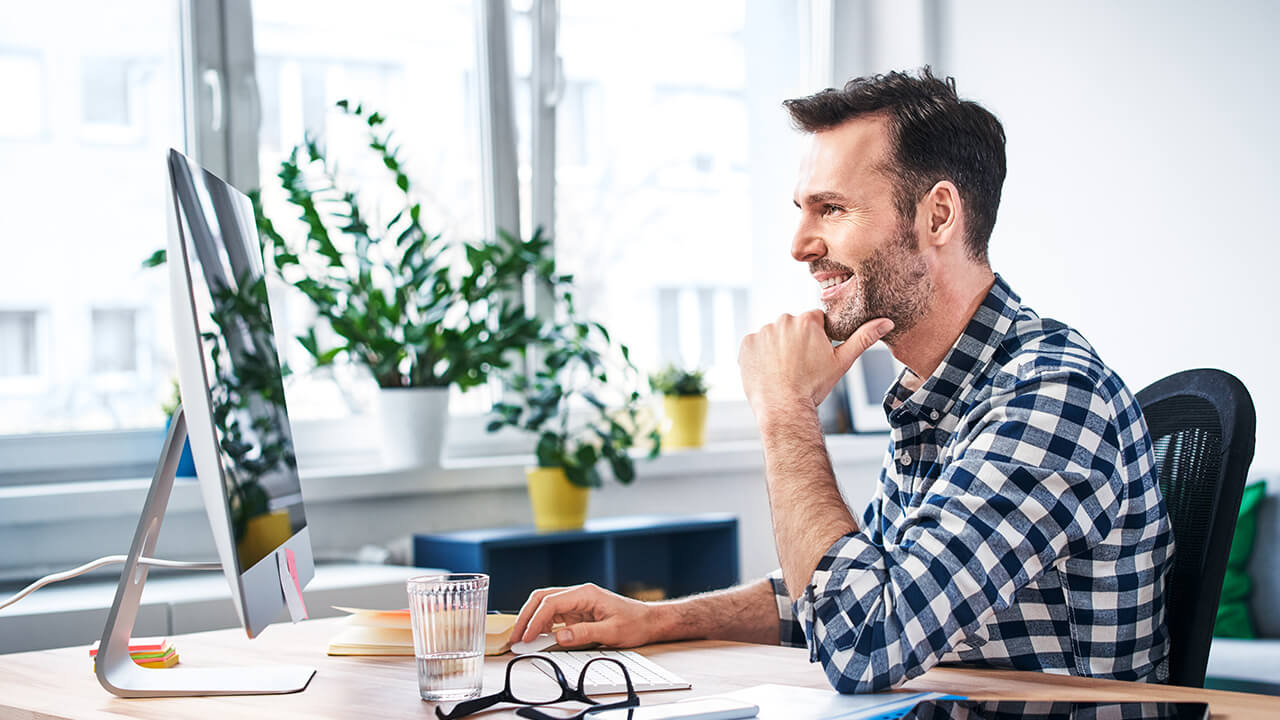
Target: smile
[[833, 281]]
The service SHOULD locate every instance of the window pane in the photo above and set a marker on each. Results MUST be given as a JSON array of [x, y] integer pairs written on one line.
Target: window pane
[[115, 341], [656, 160], [22, 86], [18, 344], [97, 100], [412, 61]]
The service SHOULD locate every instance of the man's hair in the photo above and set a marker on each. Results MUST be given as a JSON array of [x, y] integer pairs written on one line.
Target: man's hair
[[936, 136]]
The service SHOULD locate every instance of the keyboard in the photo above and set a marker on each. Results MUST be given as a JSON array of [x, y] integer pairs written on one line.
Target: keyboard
[[604, 678]]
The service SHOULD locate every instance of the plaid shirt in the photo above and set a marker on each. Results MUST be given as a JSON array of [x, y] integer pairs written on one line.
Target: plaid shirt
[[1017, 523]]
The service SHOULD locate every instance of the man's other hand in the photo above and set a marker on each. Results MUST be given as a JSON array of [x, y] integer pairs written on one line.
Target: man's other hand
[[590, 613], [792, 361]]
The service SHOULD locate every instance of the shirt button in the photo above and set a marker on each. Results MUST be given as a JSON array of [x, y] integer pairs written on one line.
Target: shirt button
[[904, 459], [933, 415]]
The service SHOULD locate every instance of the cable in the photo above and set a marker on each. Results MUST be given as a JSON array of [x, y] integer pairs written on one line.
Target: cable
[[103, 562]]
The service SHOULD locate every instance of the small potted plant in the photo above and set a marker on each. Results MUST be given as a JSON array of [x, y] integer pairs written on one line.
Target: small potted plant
[[399, 300], [579, 396], [684, 402]]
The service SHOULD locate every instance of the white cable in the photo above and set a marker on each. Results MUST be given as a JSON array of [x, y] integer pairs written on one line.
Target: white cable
[[102, 562]]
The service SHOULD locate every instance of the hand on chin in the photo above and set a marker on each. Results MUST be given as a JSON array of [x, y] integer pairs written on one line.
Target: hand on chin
[[790, 363]]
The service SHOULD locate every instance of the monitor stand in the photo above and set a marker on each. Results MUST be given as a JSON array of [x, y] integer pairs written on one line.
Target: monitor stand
[[117, 671]]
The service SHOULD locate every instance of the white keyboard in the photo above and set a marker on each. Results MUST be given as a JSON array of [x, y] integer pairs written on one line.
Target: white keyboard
[[603, 678]]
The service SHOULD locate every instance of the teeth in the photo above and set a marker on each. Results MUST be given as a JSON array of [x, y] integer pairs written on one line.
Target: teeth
[[829, 282]]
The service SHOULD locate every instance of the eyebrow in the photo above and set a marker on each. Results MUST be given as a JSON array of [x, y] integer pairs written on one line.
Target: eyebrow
[[823, 197]]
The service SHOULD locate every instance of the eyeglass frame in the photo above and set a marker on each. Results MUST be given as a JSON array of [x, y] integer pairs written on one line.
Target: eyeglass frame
[[567, 693]]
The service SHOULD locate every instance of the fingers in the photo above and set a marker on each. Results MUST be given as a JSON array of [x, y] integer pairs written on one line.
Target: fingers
[[587, 633], [526, 612], [861, 339], [579, 601]]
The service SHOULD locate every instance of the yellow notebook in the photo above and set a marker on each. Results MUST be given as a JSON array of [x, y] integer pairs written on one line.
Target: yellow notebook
[[388, 632]]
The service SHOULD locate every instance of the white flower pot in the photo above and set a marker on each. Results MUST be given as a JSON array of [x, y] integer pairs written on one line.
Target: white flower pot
[[413, 422]]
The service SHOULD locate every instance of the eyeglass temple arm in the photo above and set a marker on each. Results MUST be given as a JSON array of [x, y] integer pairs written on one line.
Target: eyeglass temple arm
[[467, 707]]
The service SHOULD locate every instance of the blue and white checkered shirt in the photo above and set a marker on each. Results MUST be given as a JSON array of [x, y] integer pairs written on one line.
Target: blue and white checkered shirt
[[1017, 523]]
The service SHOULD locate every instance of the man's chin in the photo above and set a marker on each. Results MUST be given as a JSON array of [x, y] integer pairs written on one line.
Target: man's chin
[[836, 331]]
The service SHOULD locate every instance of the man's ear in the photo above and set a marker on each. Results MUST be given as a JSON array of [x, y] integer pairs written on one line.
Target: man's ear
[[940, 209]]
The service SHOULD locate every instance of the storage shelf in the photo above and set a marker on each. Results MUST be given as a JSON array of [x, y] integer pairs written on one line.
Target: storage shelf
[[678, 554]]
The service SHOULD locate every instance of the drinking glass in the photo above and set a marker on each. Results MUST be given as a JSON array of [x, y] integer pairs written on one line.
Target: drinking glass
[[448, 613]]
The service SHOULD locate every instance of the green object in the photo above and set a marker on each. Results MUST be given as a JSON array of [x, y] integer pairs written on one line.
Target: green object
[[415, 309], [1233, 606], [578, 393], [672, 380]]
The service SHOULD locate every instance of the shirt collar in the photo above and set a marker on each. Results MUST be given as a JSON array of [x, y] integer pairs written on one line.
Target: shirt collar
[[967, 359]]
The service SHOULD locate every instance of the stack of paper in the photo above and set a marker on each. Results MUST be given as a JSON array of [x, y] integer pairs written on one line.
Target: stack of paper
[[148, 652], [389, 632]]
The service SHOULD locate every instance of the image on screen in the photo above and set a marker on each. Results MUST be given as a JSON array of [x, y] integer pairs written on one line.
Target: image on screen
[[242, 367]]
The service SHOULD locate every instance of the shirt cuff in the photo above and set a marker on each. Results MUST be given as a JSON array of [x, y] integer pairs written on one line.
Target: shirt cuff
[[790, 633], [841, 594]]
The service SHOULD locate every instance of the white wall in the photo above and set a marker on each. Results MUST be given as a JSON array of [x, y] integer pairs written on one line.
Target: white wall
[[1143, 163]]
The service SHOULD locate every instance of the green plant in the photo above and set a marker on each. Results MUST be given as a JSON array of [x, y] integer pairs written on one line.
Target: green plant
[[578, 397], [388, 290], [672, 380]]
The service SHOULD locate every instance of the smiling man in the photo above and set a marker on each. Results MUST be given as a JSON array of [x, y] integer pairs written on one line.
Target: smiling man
[[1017, 522]]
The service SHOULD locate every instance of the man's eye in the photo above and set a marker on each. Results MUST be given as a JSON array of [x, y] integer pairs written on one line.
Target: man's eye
[[830, 209]]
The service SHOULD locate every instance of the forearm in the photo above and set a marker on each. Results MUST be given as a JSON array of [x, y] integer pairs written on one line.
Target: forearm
[[809, 514], [746, 613]]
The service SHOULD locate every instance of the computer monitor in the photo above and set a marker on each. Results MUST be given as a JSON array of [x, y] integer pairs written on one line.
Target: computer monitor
[[232, 391], [233, 411]]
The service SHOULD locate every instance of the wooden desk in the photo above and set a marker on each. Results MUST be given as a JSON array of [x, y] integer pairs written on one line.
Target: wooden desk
[[58, 683]]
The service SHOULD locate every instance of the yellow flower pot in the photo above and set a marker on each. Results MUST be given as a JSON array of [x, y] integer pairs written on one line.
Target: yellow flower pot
[[557, 503], [686, 425]]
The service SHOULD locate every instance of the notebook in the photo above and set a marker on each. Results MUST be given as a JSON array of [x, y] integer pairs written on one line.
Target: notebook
[[388, 632]]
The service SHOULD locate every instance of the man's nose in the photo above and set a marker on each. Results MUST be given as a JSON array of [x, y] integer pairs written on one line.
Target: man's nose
[[807, 245]]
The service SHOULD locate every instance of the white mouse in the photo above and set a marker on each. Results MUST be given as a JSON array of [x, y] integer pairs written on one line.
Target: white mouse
[[538, 644]]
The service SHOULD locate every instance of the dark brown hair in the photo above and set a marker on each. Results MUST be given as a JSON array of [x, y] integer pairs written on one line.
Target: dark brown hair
[[936, 136]]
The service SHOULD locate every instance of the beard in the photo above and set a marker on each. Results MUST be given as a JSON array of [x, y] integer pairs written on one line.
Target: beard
[[893, 283]]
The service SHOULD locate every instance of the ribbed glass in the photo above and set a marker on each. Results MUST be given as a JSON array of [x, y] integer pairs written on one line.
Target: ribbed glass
[[448, 614]]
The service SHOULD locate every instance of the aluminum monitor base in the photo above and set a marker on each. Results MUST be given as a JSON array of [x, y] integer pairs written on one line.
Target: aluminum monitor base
[[117, 671]]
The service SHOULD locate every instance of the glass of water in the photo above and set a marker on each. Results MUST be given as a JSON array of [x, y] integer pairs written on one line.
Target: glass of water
[[448, 614]]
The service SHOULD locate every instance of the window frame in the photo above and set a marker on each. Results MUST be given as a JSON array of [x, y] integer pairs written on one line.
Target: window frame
[[222, 113]]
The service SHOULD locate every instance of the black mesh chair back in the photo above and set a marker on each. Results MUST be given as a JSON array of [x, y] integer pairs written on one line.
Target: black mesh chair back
[[1202, 427]]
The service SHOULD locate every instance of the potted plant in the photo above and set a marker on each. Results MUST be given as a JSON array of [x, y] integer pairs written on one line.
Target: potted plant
[[684, 402], [420, 313], [578, 395]]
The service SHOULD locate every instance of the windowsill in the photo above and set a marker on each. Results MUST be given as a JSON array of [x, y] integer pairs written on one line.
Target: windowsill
[[32, 504]]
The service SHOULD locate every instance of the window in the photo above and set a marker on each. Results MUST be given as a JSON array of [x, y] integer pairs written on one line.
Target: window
[[658, 152], [667, 165], [18, 352], [99, 101], [115, 341], [104, 84], [22, 87], [411, 61]]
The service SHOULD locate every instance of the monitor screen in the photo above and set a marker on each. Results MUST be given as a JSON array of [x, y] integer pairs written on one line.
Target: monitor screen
[[232, 389]]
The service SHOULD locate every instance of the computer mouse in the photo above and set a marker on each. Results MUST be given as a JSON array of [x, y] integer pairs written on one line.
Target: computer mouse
[[538, 644]]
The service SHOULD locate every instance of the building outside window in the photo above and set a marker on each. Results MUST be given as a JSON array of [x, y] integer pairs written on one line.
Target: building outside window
[[99, 100]]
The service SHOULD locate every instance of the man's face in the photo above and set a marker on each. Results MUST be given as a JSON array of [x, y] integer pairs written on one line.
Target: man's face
[[865, 258]]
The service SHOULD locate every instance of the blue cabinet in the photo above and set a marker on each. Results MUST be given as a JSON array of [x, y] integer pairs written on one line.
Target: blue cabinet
[[679, 554]]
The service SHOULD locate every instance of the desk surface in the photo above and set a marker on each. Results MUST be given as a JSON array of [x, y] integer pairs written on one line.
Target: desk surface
[[59, 683]]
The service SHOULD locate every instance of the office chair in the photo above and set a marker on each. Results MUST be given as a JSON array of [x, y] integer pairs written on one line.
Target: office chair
[[1202, 427]]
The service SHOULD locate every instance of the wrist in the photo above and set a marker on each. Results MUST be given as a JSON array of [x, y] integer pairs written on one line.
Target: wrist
[[663, 621], [771, 416]]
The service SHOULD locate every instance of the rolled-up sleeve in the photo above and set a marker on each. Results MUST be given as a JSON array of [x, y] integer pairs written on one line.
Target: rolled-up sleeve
[[790, 633], [1031, 483]]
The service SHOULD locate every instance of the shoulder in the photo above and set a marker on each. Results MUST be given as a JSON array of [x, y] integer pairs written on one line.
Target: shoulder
[[1041, 353]]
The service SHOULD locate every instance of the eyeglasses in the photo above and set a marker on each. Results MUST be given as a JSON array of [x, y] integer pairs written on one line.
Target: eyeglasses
[[531, 696]]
